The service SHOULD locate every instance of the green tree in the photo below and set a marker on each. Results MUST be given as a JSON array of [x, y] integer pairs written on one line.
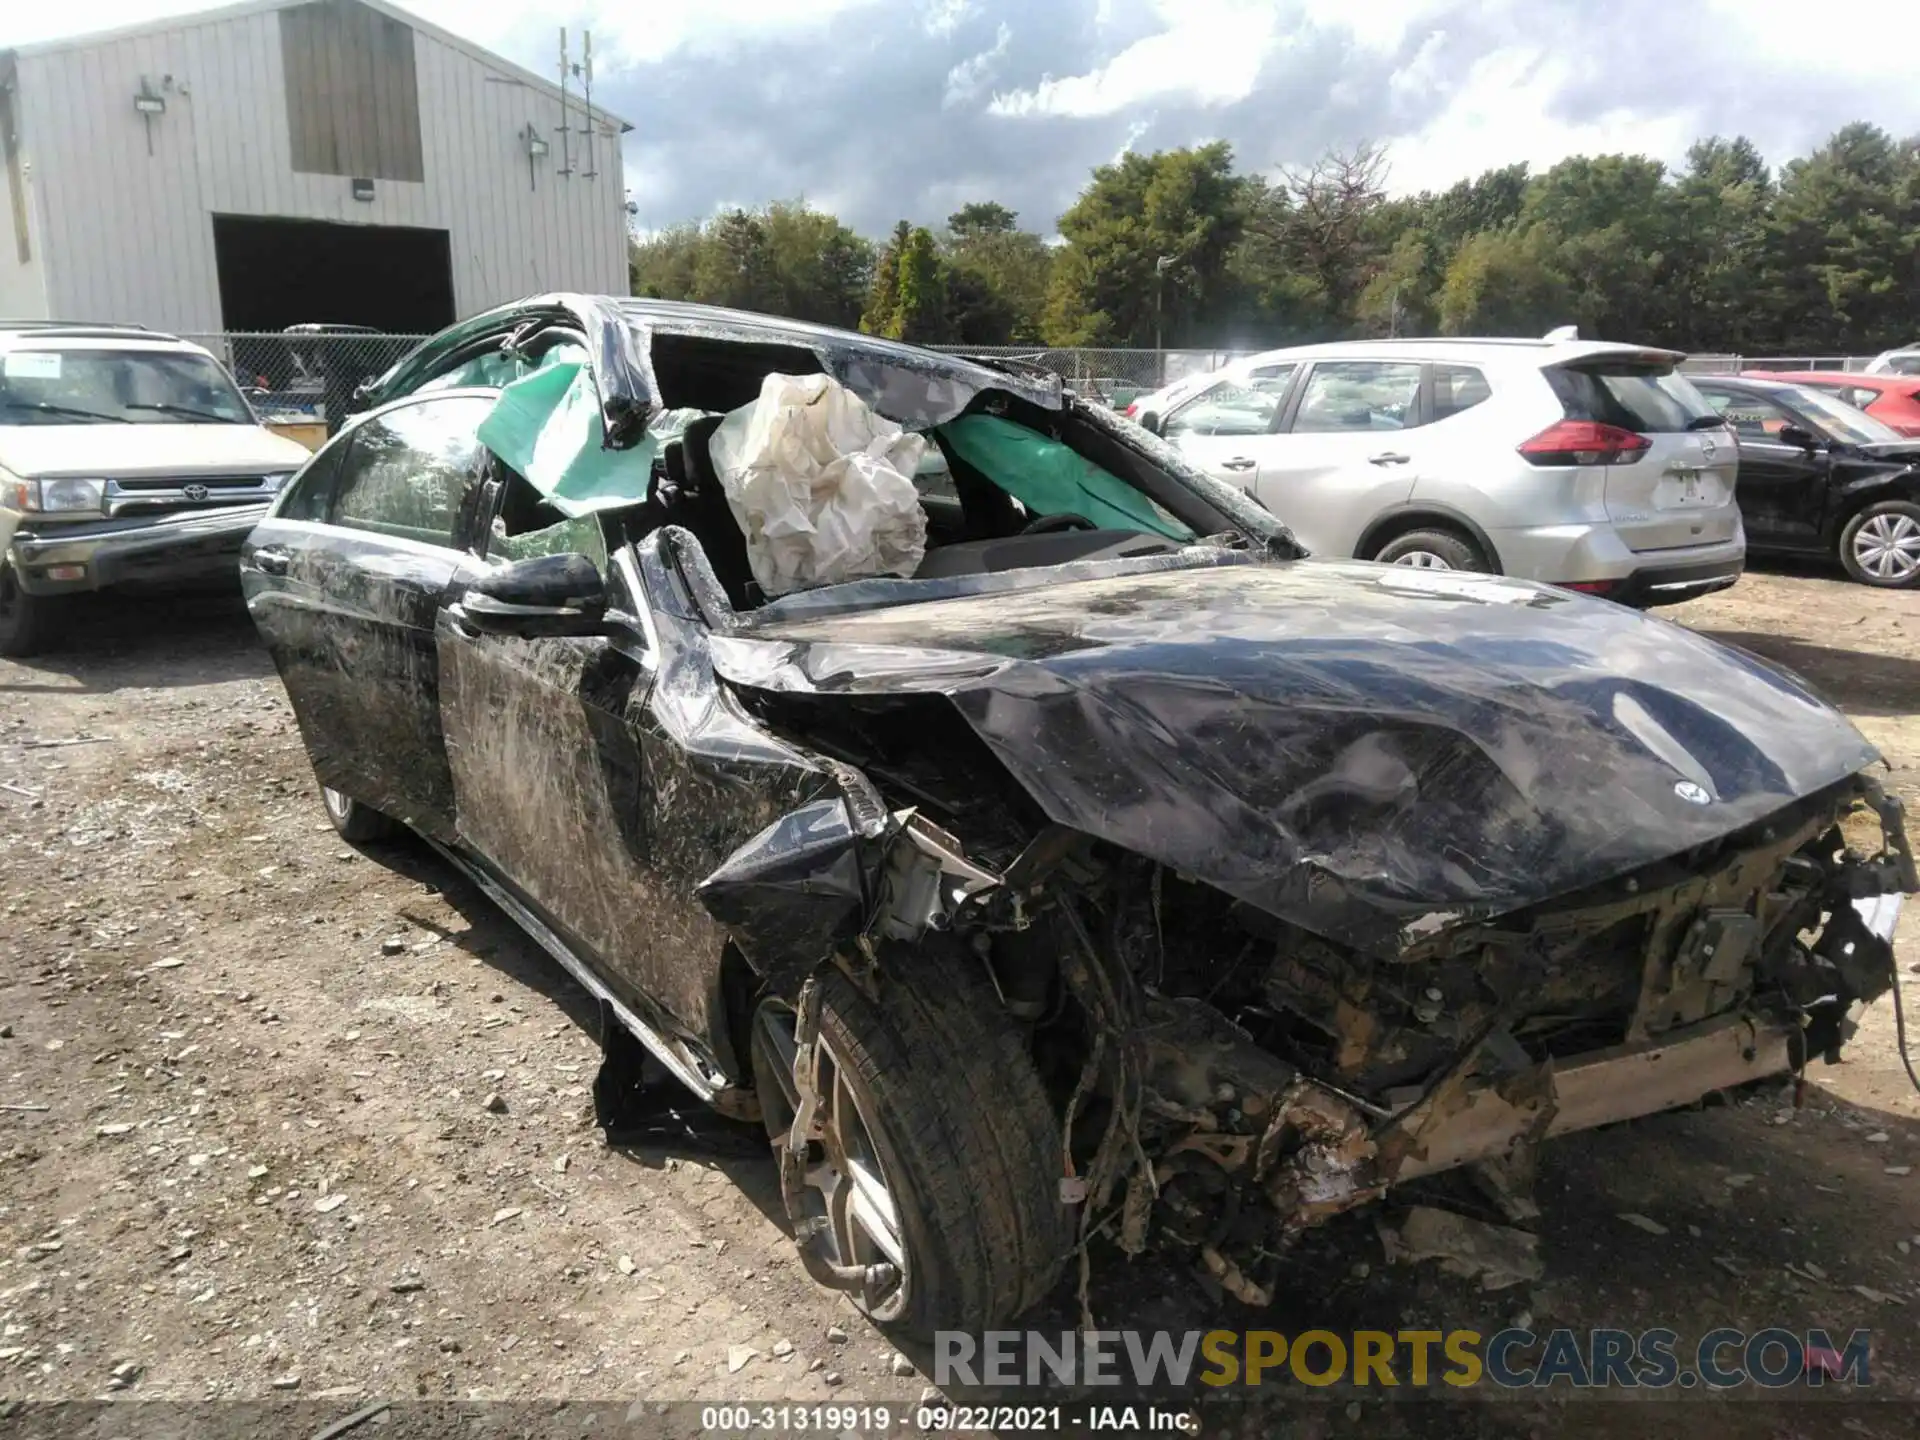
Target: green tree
[[1614, 219], [1727, 286], [997, 276], [883, 295], [1844, 234], [1182, 207], [920, 313], [662, 265], [908, 297], [1503, 282], [786, 259], [1399, 299], [982, 218]]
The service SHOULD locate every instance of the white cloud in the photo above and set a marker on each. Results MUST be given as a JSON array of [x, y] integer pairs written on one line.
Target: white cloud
[[970, 77], [942, 17], [1211, 52], [523, 31], [1501, 112]]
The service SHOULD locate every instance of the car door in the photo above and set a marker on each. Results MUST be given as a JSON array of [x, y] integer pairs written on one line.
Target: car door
[[1349, 447], [1227, 428], [551, 740], [347, 598], [1782, 488]]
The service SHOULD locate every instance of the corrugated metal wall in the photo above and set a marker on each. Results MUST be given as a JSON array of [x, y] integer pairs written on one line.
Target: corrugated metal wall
[[128, 234]]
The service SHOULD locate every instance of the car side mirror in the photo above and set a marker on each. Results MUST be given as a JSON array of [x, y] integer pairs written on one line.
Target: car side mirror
[[1152, 423], [546, 595], [1798, 435]]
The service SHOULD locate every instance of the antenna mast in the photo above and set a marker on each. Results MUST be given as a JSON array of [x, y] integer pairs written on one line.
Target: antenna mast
[[566, 129], [586, 80]]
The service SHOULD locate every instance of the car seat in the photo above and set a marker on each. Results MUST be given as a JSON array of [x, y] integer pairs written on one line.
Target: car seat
[[700, 504]]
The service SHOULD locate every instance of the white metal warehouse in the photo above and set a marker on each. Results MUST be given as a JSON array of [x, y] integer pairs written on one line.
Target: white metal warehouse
[[297, 161]]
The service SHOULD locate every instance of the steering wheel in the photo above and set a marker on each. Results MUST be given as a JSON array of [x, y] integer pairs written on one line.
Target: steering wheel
[[1065, 520]]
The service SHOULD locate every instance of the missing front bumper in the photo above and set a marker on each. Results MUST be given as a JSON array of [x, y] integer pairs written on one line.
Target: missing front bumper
[[1623, 1082]]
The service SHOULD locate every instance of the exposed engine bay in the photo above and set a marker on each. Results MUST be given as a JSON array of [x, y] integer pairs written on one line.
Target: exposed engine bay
[[1226, 1079]]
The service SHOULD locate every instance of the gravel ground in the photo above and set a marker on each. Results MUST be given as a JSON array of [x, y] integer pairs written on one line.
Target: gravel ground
[[286, 1121]]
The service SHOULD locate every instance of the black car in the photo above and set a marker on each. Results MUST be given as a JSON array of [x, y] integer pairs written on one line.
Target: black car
[[1103, 880], [1819, 477]]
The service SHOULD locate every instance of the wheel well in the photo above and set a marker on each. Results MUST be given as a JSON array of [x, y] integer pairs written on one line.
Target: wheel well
[[739, 988], [1389, 528]]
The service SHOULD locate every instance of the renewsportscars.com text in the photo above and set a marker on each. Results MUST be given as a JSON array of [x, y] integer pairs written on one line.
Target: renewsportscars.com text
[[1654, 1359]]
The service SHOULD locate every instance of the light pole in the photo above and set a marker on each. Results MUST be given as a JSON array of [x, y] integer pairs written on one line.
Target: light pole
[[1160, 268]]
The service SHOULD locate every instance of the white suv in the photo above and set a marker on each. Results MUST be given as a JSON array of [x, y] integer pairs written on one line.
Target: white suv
[[1904, 361], [1584, 464], [126, 458]]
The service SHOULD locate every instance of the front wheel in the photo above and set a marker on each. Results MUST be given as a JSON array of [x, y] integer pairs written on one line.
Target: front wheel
[[928, 1180], [356, 822], [25, 620], [1433, 550], [1881, 545]]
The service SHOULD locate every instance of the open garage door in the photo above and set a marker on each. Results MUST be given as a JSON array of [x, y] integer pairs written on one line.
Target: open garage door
[[277, 273]]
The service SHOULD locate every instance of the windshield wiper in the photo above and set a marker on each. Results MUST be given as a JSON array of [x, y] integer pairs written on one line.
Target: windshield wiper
[[47, 407], [187, 410]]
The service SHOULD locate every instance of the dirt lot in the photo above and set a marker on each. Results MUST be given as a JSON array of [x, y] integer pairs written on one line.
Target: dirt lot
[[288, 1120]]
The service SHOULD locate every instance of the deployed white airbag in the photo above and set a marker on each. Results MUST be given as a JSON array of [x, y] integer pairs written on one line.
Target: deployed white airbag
[[821, 485]]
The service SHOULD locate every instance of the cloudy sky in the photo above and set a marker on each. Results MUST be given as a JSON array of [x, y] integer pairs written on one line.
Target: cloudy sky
[[878, 109]]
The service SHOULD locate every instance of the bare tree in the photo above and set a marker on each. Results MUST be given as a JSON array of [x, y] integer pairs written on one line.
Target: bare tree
[[1320, 222]]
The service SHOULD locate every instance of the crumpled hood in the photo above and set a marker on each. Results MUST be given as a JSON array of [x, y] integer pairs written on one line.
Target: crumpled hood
[[1906, 451], [120, 451], [1371, 752]]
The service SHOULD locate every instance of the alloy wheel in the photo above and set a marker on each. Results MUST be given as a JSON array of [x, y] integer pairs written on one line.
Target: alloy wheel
[[845, 1182], [1422, 560], [1887, 547]]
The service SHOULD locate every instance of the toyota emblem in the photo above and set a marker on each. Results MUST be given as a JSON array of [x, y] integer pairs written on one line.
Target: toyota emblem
[[1691, 793], [194, 492]]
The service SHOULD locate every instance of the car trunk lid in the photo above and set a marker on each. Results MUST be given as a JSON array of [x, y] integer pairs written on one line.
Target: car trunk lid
[[1676, 489]]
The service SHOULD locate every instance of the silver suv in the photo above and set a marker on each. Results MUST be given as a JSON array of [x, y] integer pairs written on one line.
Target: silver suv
[[1589, 465]]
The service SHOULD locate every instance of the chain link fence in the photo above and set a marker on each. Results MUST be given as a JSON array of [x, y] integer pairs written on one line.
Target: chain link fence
[[308, 376], [305, 376], [1733, 364], [1105, 376]]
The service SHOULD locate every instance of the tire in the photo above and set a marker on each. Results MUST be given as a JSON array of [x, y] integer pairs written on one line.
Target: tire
[[25, 620], [967, 1145], [1433, 550], [1881, 545], [359, 823]]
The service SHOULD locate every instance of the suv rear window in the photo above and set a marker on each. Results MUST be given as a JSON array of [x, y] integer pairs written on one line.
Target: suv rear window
[[1650, 399]]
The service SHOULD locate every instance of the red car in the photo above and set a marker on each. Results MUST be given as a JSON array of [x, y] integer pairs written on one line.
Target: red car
[[1891, 399]]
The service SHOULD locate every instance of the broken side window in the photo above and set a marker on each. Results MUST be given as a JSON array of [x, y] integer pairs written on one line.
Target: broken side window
[[527, 524]]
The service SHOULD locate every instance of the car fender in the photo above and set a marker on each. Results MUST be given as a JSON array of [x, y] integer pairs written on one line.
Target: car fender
[[1853, 496], [1395, 517]]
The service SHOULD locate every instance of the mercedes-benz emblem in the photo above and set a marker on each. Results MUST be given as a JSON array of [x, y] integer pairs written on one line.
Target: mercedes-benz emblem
[[1691, 793], [194, 491]]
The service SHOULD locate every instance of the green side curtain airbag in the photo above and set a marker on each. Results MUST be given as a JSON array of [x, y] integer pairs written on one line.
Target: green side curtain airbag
[[547, 427], [1049, 478]]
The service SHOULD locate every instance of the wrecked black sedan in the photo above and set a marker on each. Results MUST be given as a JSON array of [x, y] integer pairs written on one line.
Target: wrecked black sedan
[[943, 771]]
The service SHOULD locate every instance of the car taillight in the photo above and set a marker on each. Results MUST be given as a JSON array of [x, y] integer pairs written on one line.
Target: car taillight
[[1584, 442], [1588, 587]]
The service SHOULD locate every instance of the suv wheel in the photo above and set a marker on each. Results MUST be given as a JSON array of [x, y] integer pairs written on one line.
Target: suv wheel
[[23, 617], [934, 1155], [1432, 550], [356, 822], [1881, 545]]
